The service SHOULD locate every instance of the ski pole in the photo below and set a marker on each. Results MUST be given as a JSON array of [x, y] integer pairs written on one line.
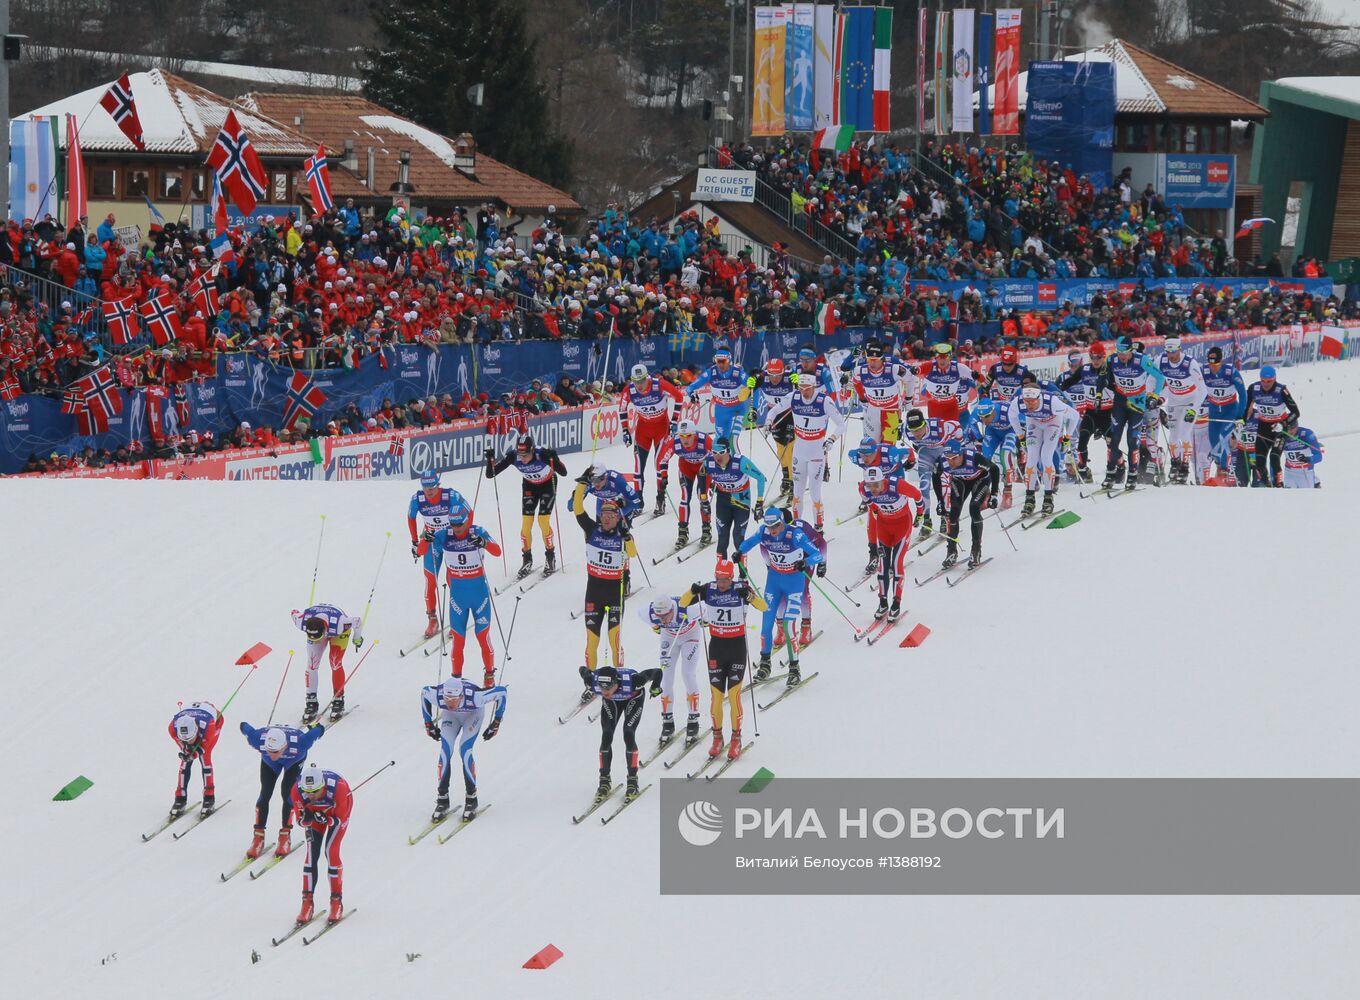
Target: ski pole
[[223, 709], [317, 565], [379, 771], [495, 614], [846, 593], [373, 589], [604, 375], [514, 616], [443, 602], [361, 662], [755, 712], [495, 485], [561, 552], [280, 691], [1004, 530], [481, 470]]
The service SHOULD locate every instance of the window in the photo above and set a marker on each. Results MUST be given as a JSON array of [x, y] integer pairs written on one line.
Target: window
[[1221, 142], [103, 182], [200, 184], [172, 185], [138, 183], [279, 189]]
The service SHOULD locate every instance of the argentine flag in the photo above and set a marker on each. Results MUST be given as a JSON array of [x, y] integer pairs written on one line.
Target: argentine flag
[[33, 167]]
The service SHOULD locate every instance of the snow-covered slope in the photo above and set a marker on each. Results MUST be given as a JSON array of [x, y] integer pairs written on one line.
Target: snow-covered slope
[[1186, 632]]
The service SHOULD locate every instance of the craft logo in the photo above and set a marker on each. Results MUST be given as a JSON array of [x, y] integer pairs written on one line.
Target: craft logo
[[700, 823]]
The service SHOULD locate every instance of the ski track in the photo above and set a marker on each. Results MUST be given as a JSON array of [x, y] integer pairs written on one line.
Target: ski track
[[1148, 640]]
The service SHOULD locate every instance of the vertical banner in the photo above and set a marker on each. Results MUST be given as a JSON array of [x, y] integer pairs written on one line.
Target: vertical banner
[[882, 68], [32, 168], [857, 69], [1006, 73], [1069, 116], [962, 63], [798, 102], [922, 57], [984, 73], [941, 73], [767, 107], [825, 68], [783, 18]]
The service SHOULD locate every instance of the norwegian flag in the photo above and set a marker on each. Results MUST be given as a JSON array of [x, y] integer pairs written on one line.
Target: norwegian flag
[[304, 399], [10, 388], [121, 319], [205, 296], [84, 318], [161, 319], [100, 397], [319, 177], [73, 404], [118, 102], [396, 448], [237, 166]]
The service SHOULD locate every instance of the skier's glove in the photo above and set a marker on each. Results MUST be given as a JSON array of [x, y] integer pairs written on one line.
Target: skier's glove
[[479, 541], [358, 642], [821, 568], [939, 509], [415, 549], [759, 510], [587, 677], [432, 731], [655, 690], [492, 729], [628, 438], [991, 502], [1190, 416]]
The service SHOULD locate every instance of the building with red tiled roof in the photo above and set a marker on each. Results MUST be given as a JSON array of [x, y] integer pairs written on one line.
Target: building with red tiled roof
[[364, 143]]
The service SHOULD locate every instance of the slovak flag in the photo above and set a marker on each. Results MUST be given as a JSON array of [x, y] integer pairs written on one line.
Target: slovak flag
[[237, 166], [161, 319], [1250, 226], [118, 314], [304, 399], [118, 102], [319, 177]]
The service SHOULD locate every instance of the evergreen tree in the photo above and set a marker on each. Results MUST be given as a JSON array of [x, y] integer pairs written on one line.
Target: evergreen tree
[[427, 58]]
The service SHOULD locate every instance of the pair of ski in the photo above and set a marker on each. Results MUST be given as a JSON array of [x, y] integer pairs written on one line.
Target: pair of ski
[[876, 629], [1024, 520], [1036, 521], [728, 762], [955, 581], [518, 580], [575, 615], [598, 803], [273, 860], [579, 707], [301, 926], [332, 720], [195, 820], [685, 550], [788, 690], [459, 826]]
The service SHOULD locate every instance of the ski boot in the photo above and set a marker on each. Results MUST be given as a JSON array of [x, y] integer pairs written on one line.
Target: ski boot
[[337, 909], [431, 626], [310, 710], [682, 536], [717, 746], [1028, 508], [795, 677], [209, 804], [734, 748], [785, 487], [927, 526], [527, 566], [818, 521], [975, 557], [805, 633], [256, 847], [1084, 472], [895, 612], [1047, 508], [489, 677], [549, 562], [441, 809], [177, 808], [667, 727], [602, 792], [872, 565], [882, 608], [630, 791], [337, 707], [692, 728], [660, 503], [285, 836], [763, 667], [469, 808], [706, 534], [307, 912], [1121, 470], [951, 556]]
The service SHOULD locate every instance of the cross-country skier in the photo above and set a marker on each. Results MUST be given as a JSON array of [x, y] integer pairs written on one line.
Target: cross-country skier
[[540, 468], [724, 601], [323, 803], [648, 398], [814, 413], [604, 484], [728, 390], [326, 626], [690, 450], [730, 477], [465, 546], [973, 480], [769, 389], [624, 693], [608, 548], [453, 712], [283, 751], [1269, 401], [928, 435], [945, 385], [883, 385], [892, 513], [1185, 397], [1133, 377], [1225, 397], [681, 651], [195, 730], [1242, 444], [1080, 382], [788, 552], [1302, 452], [432, 504], [1043, 425], [1005, 377]]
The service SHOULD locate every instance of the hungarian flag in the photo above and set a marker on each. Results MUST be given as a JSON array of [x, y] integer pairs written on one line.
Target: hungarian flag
[[1332, 344], [882, 66], [237, 166], [75, 174], [118, 314], [118, 102], [161, 319], [837, 137], [319, 177], [304, 399]]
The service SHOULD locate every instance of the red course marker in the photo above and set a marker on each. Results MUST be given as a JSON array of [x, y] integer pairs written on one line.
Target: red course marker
[[544, 958], [915, 637]]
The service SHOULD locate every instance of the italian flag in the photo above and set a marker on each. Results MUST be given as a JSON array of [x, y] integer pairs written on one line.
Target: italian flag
[[835, 137], [826, 320], [882, 65]]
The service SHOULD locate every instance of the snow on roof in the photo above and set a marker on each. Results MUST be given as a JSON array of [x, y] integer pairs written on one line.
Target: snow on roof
[[432, 141], [1341, 88], [177, 117], [228, 71]]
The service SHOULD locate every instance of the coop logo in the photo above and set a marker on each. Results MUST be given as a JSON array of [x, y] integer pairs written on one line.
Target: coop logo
[[700, 823], [604, 425]]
